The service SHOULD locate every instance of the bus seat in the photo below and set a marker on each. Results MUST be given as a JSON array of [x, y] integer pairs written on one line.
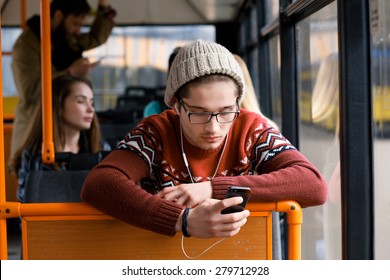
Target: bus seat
[[76, 231], [62, 185], [114, 125], [153, 107], [54, 186], [135, 98]]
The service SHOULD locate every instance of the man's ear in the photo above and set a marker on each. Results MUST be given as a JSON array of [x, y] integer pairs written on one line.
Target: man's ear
[[57, 18]]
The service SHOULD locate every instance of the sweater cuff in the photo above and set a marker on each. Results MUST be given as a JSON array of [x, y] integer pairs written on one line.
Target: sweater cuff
[[220, 186], [166, 218]]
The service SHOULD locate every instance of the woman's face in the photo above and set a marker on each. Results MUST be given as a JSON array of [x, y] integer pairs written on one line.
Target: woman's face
[[213, 97], [78, 108]]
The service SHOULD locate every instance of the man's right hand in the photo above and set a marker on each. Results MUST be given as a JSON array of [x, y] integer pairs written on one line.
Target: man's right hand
[[79, 67]]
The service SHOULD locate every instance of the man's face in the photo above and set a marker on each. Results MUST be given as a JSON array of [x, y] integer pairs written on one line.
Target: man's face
[[72, 24], [213, 97]]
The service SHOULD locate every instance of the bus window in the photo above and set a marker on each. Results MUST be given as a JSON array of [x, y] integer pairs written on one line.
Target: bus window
[[137, 56], [380, 63], [318, 126]]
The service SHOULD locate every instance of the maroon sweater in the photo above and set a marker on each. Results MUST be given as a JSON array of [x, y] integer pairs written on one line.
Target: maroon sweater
[[149, 158]]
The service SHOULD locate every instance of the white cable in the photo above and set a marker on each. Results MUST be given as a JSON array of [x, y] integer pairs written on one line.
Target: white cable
[[194, 257], [192, 180], [185, 157], [183, 154]]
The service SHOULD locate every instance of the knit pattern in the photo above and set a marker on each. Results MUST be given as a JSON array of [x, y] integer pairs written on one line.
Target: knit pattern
[[280, 171], [250, 153]]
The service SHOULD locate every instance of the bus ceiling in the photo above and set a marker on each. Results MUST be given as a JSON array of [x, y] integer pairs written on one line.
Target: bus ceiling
[[137, 12]]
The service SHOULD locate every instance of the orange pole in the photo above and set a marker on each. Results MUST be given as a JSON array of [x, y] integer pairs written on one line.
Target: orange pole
[[3, 221], [294, 227], [47, 118], [294, 223], [23, 8], [294, 242]]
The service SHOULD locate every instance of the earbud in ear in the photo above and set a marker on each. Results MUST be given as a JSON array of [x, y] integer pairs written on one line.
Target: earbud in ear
[[177, 108]]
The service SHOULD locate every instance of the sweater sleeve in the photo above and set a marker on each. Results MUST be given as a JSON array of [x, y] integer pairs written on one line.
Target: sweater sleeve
[[281, 171], [99, 32], [111, 188], [290, 176]]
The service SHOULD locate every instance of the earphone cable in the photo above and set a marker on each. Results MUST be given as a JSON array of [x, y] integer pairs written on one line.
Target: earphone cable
[[192, 180], [194, 257]]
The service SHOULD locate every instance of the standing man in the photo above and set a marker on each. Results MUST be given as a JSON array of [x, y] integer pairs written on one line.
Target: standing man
[[67, 44]]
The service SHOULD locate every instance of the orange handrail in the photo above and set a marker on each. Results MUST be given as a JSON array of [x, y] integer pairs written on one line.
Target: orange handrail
[[291, 208], [294, 222], [3, 222], [23, 8], [47, 121], [47, 145]]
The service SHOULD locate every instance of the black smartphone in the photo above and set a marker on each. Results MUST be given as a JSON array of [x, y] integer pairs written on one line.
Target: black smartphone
[[244, 192]]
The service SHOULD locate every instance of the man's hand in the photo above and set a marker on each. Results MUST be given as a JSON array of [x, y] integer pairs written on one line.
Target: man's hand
[[206, 220], [104, 3], [79, 67], [188, 195]]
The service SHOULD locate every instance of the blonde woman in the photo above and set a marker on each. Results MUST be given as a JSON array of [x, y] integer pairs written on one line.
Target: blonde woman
[[325, 98], [250, 101]]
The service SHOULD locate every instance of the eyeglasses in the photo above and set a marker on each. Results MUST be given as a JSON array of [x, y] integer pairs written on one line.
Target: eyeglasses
[[205, 117]]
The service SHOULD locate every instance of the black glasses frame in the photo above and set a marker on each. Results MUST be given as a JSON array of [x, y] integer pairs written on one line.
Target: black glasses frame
[[210, 115]]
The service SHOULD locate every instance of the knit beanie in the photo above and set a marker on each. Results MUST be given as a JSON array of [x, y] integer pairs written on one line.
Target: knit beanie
[[198, 59]]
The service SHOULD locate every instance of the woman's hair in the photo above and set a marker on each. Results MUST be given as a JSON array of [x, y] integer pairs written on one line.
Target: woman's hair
[[325, 97], [250, 101], [90, 140], [172, 57]]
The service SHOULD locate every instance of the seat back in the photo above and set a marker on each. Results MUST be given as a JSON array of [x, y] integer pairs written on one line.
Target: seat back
[[153, 107], [67, 187], [62, 185], [96, 237], [78, 231]]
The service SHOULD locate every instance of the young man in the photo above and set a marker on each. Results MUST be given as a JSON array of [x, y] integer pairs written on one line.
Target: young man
[[68, 44], [172, 171]]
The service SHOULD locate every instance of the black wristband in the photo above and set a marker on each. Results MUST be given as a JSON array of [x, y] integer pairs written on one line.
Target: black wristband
[[185, 222]]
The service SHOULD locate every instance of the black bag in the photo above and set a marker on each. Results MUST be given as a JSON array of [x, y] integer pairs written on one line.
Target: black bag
[[54, 186], [60, 185]]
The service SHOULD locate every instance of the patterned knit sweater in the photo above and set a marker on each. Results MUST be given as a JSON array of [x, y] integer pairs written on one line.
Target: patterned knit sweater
[[149, 158]]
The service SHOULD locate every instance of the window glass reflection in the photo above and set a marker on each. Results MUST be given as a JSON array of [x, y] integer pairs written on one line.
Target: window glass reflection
[[318, 91], [272, 10], [276, 98]]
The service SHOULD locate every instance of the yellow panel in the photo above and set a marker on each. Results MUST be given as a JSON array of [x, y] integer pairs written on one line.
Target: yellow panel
[[9, 104]]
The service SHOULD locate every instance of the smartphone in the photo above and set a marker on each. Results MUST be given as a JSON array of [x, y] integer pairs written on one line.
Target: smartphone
[[244, 192]]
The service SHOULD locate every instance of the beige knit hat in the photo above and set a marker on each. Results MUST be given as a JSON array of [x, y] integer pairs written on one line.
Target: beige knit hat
[[198, 59]]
